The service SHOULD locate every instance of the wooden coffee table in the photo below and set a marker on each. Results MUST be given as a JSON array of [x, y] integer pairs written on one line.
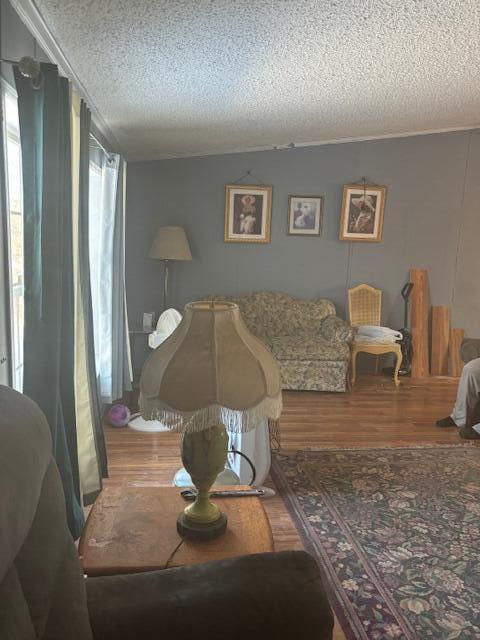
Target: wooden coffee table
[[132, 528]]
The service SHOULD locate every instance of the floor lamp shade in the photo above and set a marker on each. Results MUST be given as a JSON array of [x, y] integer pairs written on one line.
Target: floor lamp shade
[[170, 243], [210, 371]]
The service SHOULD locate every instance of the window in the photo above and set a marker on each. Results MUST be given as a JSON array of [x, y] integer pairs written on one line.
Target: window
[[13, 166], [95, 253], [103, 179]]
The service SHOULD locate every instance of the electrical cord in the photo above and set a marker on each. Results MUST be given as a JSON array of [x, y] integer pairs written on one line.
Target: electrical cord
[[250, 463], [171, 556]]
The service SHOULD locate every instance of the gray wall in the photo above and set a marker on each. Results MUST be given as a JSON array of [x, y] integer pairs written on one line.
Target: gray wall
[[431, 221]]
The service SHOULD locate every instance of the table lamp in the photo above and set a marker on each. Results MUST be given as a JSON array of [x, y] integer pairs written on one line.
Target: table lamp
[[170, 243], [211, 375]]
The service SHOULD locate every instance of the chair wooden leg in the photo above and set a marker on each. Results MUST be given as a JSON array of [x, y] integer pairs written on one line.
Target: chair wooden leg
[[397, 368]]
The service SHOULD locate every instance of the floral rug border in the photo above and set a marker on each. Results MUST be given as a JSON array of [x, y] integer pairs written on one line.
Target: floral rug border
[[349, 621], [335, 591]]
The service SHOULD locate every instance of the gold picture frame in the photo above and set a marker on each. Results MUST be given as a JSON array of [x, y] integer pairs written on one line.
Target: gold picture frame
[[361, 218], [248, 213]]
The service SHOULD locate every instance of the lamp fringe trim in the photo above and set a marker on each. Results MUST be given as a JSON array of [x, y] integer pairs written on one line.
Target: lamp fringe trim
[[193, 421]]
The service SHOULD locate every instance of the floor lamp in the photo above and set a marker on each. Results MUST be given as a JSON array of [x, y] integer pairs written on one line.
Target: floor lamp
[[170, 243]]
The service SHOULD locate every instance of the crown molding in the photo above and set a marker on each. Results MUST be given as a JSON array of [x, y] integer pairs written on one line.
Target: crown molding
[[298, 145], [33, 20]]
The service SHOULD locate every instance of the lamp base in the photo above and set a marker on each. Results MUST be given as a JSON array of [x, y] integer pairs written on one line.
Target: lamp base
[[199, 531]]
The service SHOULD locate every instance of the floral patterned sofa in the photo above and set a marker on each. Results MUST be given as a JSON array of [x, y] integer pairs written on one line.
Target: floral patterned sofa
[[308, 339]]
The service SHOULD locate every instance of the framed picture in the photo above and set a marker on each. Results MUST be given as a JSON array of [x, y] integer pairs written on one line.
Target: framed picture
[[305, 215], [362, 213], [248, 212]]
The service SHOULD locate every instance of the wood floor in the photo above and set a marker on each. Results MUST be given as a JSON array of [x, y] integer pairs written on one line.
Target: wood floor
[[374, 414]]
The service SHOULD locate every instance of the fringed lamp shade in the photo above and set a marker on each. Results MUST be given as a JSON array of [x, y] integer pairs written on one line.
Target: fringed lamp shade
[[211, 371]]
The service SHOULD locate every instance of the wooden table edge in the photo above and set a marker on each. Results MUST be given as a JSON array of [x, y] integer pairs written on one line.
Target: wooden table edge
[[129, 569]]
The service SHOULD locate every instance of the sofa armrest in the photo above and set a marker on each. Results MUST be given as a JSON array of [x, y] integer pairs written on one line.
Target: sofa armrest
[[334, 329], [470, 349], [268, 595]]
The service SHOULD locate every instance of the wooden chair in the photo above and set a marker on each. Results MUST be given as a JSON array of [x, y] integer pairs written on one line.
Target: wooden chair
[[365, 308]]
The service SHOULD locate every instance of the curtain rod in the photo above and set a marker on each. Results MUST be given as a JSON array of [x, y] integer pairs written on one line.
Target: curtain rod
[[109, 154], [29, 68]]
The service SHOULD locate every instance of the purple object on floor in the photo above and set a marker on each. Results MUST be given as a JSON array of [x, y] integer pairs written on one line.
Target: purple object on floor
[[118, 415]]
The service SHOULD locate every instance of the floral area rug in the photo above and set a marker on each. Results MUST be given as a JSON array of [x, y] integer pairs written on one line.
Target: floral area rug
[[397, 536]]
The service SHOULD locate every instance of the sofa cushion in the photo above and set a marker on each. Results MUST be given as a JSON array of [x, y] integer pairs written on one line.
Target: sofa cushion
[[284, 315], [304, 346], [42, 589], [278, 314]]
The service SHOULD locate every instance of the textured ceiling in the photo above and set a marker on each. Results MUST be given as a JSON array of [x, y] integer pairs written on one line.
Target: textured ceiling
[[187, 77]]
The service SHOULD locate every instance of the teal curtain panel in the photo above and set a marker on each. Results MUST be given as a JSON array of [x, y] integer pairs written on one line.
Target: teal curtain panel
[[44, 116]]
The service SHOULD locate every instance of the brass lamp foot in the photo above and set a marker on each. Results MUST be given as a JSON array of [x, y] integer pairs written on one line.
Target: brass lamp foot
[[200, 531]]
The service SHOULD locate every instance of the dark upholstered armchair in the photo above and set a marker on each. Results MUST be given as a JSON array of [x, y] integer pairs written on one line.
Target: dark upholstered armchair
[[44, 595], [470, 349]]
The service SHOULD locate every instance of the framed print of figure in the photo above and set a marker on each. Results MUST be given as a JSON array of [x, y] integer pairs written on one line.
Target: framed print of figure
[[361, 217], [248, 212]]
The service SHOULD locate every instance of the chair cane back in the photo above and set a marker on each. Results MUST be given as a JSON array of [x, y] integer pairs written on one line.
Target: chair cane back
[[364, 305]]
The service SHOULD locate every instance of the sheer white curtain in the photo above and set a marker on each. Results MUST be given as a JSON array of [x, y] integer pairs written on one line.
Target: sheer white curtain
[[107, 266]]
